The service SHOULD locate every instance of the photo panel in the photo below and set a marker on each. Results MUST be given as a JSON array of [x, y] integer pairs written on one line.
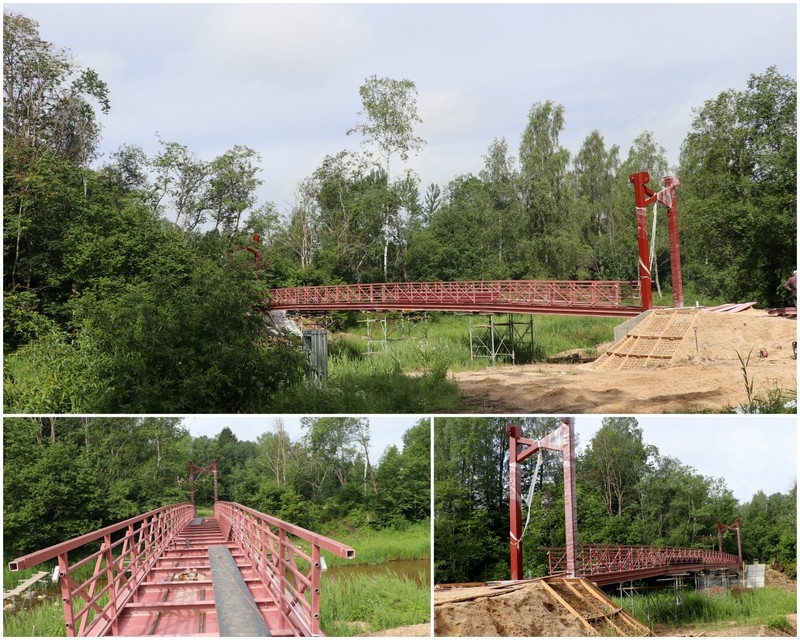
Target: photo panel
[[217, 524], [614, 525]]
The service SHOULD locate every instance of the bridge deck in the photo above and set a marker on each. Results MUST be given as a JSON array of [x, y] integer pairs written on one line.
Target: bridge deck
[[178, 597], [154, 575]]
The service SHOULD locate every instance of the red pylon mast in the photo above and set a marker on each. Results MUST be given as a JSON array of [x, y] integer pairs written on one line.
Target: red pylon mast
[[644, 196], [520, 448], [212, 469]]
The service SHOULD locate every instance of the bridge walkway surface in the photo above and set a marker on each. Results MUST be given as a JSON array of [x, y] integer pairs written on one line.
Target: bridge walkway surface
[[169, 573]]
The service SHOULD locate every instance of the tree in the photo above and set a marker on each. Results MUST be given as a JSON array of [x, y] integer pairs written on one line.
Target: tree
[[739, 190], [233, 185], [616, 459], [47, 100], [182, 179], [553, 229], [390, 112]]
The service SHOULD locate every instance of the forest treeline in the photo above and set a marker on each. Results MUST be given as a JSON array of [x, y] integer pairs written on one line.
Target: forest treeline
[[63, 477], [627, 494], [131, 281]]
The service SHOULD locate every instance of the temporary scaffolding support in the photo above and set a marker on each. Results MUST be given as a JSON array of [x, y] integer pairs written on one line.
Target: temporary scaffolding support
[[387, 327], [520, 448], [496, 340]]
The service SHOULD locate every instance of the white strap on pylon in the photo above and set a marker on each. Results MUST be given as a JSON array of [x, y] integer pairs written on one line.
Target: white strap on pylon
[[653, 249], [529, 498]]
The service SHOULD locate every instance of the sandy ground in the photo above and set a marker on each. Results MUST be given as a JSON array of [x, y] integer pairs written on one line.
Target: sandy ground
[[704, 375], [526, 609], [522, 610]]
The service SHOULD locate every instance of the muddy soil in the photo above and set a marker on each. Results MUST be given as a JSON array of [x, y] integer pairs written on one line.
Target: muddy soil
[[705, 375]]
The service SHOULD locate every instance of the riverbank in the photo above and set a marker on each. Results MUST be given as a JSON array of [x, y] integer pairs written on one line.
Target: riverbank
[[377, 592]]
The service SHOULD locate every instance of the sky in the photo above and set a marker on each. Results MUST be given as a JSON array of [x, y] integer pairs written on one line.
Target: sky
[[283, 79]]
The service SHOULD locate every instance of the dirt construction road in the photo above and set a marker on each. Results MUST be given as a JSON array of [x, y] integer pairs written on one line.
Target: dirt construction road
[[702, 374]]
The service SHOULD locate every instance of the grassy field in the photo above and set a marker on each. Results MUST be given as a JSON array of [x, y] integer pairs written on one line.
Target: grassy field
[[363, 604], [746, 608], [369, 603]]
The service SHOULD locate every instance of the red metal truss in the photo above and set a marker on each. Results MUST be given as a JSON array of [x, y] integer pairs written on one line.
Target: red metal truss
[[605, 564], [271, 545], [588, 298], [128, 551]]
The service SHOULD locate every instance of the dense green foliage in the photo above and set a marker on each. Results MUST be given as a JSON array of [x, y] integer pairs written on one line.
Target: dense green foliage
[[68, 476], [134, 285], [627, 493]]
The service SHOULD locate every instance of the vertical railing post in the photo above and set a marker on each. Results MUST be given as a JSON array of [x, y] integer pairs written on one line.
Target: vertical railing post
[[315, 589], [66, 595], [111, 583]]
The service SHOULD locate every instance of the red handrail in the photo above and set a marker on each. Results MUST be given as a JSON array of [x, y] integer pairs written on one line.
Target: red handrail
[[606, 559], [271, 545], [546, 296], [123, 564]]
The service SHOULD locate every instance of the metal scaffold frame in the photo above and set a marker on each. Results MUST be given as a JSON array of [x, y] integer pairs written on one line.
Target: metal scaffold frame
[[496, 340], [391, 326]]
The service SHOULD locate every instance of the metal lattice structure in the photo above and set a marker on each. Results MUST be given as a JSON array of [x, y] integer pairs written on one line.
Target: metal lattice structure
[[497, 340], [156, 574], [610, 564], [588, 298]]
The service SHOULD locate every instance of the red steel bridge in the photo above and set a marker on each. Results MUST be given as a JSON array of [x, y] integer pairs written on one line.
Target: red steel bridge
[[602, 564], [607, 564], [168, 572], [623, 299], [585, 298]]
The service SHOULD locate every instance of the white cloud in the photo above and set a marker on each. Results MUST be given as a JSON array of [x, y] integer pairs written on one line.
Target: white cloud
[[288, 45]]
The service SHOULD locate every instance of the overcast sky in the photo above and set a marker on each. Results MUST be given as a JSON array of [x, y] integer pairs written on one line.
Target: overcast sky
[[749, 452], [284, 79]]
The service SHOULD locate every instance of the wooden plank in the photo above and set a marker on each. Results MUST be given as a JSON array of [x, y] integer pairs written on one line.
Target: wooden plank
[[590, 604], [24, 586], [567, 606]]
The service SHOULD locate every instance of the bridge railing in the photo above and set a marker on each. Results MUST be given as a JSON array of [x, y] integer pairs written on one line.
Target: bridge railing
[[286, 557], [598, 559], [455, 295], [127, 551]]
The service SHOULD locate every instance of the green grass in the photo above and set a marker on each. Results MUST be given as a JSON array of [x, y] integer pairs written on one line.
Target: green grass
[[746, 608], [363, 604], [411, 375], [379, 547]]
